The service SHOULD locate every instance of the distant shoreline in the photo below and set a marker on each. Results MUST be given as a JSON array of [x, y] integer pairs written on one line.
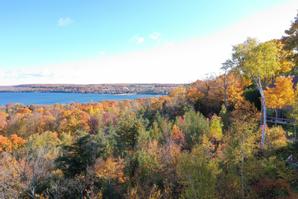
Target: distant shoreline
[[154, 89], [146, 93]]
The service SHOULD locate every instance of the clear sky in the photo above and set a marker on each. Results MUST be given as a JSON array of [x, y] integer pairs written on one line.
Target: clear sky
[[134, 41]]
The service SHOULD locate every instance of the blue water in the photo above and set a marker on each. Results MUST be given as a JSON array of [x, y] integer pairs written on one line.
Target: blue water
[[29, 98]]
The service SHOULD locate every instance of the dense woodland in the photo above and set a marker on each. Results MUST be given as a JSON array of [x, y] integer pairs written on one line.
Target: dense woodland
[[210, 139]]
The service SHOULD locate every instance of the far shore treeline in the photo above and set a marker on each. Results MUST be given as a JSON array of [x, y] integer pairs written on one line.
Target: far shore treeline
[[93, 88]]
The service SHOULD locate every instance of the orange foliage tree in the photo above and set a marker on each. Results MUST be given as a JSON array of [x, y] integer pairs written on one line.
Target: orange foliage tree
[[177, 134], [11, 144], [281, 95]]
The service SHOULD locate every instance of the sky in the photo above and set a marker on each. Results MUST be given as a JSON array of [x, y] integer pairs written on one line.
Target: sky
[[131, 41]]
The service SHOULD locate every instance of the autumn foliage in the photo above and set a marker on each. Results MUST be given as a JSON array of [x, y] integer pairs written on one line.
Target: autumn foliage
[[11, 143], [282, 94], [200, 141]]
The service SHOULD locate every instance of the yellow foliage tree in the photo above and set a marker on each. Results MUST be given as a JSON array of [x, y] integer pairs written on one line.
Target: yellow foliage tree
[[235, 88], [260, 62], [284, 55], [277, 138], [178, 92]]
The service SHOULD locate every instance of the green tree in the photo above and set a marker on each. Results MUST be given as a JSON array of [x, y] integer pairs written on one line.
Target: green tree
[[77, 157], [291, 40], [127, 131], [224, 114], [198, 175], [216, 128], [193, 125]]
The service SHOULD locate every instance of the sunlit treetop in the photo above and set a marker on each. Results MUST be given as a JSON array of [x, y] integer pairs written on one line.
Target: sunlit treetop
[[261, 60]]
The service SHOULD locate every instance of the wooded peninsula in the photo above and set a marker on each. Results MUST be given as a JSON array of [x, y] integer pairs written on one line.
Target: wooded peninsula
[[93, 88]]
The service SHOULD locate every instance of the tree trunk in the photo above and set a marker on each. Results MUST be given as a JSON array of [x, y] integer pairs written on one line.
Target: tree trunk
[[264, 112], [225, 90], [276, 114]]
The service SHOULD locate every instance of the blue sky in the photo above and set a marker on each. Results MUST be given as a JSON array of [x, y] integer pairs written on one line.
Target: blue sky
[[37, 34]]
